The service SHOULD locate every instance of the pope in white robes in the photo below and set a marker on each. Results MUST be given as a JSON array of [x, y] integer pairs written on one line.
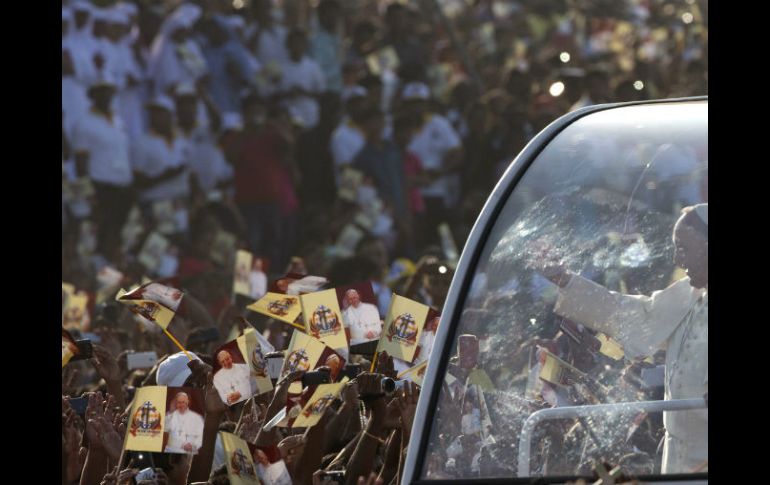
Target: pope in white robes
[[184, 427], [232, 380], [363, 319], [675, 318]]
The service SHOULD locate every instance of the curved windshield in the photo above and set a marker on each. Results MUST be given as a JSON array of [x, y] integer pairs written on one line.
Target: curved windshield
[[584, 335]]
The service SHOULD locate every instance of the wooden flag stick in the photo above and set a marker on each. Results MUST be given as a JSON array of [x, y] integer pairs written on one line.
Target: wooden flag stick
[[177, 344]]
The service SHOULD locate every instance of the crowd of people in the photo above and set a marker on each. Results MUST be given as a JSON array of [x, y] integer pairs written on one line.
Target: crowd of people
[[356, 140]]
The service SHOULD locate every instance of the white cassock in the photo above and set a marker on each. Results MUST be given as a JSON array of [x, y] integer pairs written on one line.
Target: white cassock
[[361, 320], [235, 379], [676, 317], [184, 428]]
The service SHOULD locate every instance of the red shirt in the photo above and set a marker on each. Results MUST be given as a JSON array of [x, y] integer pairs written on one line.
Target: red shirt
[[413, 166], [259, 172]]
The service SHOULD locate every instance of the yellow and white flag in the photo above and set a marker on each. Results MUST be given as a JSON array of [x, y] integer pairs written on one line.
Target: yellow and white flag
[[146, 420], [156, 302], [285, 308], [323, 318], [76, 315], [303, 353], [314, 410], [403, 326], [415, 374], [253, 347], [68, 347], [238, 460]]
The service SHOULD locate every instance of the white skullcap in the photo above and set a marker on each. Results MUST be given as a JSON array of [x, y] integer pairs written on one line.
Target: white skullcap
[[232, 120], [82, 5], [185, 89], [185, 16], [349, 92], [164, 102], [100, 14], [415, 91], [117, 16], [174, 371], [702, 210]]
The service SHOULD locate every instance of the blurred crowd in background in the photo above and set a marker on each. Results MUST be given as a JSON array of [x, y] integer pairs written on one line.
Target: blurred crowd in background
[[355, 139]]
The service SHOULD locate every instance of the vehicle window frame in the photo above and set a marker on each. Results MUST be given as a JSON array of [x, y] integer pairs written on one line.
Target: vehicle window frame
[[460, 287]]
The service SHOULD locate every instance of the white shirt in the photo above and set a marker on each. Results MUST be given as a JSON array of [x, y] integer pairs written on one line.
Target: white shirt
[[74, 102], [271, 45], [184, 428], [174, 63], [307, 75], [361, 320], [235, 379], [107, 146], [431, 144], [81, 46], [347, 140], [152, 156], [676, 317], [206, 159]]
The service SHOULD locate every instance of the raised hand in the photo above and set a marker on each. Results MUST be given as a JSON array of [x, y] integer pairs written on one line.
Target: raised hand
[[350, 393], [105, 364], [251, 422], [110, 440], [385, 365], [111, 478], [407, 407], [292, 447], [68, 378]]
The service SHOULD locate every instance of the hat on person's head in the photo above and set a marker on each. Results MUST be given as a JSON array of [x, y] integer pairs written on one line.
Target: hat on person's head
[[184, 16], [128, 8], [356, 91], [185, 89], [232, 120], [100, 14], [82, 5], [117, 16], [163, 102], [173, 371], [415, 90]]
